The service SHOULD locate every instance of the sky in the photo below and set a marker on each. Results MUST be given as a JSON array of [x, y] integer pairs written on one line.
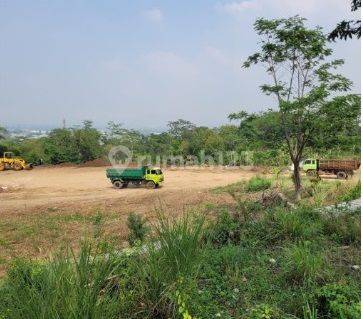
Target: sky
[[143, 63]]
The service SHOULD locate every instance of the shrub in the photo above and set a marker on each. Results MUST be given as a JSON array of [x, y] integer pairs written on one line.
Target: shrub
[[257, 183], [338, 301], [138, 229]]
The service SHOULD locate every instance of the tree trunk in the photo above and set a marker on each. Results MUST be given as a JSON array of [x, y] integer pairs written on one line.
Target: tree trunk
[[297, 179]]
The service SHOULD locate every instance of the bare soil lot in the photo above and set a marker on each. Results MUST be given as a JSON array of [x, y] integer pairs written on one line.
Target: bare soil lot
[[78, 187], [49, 207]]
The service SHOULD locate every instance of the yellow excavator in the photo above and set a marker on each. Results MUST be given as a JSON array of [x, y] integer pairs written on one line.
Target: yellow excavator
[[9, 161]]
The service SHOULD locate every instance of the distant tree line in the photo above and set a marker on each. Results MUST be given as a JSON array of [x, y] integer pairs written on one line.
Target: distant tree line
[[259, 136]]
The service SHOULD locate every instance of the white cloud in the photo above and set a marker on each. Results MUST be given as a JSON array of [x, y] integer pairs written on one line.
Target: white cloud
[[238, 7], [154, 15]]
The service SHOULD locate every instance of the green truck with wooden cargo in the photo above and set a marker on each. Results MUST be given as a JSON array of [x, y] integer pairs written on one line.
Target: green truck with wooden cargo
[[341, 168], [151, 177]]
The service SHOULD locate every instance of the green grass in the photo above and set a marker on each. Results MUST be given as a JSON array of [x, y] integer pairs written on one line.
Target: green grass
[[274, 264]]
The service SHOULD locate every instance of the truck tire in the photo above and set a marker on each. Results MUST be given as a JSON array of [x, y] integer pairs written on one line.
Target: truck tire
[[311, 173], [342, 175], [150, 184], [118, 184]]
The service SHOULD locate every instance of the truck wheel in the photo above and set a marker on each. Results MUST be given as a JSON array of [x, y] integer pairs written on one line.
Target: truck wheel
[[118, 184], [150, 184], [311, 173], [342, 175]]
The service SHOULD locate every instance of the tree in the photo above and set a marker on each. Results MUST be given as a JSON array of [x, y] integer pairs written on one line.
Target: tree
[[295, 58], [347, 29], [179, 127], [339, 124], [87, 140]]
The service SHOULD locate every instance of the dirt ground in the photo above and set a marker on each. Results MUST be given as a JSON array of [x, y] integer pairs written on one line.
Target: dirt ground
[[48, 207], [78, 187]]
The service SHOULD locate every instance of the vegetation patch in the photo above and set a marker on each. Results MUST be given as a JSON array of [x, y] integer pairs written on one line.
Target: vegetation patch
[[258, 183]]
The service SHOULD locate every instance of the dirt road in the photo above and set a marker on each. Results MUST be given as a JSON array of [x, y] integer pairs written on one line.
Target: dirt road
[[78, 187]]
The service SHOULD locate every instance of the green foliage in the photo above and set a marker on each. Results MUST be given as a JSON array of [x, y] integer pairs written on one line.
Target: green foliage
[[137, 228], [73, 145], [257, 183], [338, 301]]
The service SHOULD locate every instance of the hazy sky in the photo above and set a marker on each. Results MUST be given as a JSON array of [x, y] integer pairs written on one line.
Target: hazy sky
[[142, 63]]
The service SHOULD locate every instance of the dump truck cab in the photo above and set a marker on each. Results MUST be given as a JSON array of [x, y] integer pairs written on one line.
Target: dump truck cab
[[154, 174], [310, 165]]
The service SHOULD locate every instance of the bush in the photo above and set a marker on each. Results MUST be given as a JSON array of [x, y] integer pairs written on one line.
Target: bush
[[137, 229], [338, 301], [257, 183]]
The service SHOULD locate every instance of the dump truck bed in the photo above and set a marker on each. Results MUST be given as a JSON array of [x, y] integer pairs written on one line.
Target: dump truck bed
[[339, 164], [126, 173]]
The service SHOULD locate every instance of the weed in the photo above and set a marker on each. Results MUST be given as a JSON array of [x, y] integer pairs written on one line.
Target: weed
[[302, 262], [138, 229]]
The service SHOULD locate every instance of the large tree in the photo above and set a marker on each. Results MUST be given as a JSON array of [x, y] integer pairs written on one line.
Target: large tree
[[301, 79]]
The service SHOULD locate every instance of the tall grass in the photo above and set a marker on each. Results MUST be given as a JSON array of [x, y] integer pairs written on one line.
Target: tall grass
[[67, 287], [163, 274]]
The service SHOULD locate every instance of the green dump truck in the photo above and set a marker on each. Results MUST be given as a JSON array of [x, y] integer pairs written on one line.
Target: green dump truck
[[341, 168], [151, 177]]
